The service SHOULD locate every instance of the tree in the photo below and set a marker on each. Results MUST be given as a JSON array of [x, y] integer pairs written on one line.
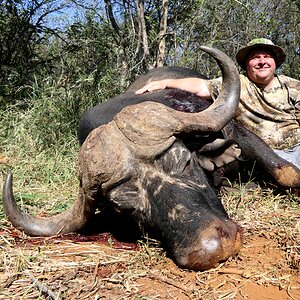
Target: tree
[[113, 45], [23, 29], [162, 35]]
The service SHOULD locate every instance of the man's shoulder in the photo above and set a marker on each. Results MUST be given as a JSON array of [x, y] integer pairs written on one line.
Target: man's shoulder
[[244, 78], [286, 79], [292, 85]]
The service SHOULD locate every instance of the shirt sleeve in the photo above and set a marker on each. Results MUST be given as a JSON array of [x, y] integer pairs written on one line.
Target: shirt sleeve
[[214, 87], [293, 87]]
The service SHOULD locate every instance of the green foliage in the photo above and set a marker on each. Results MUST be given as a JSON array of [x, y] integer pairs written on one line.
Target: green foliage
[[16, 41], [228, 25], [90, 54], [39, 144], [23, 32], [90, 47]]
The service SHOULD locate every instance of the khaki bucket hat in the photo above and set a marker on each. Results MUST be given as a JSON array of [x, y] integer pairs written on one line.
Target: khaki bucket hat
[[242, 54]]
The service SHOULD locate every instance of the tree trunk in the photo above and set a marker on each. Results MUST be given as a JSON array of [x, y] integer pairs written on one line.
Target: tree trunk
[[162, 34], [143, 31], [122, 43]]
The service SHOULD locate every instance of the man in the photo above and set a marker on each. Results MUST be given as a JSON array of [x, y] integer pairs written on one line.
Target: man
[[269, 104]]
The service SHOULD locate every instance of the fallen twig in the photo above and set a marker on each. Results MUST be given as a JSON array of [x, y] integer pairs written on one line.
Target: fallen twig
[[9, 281], [42, 287], [170, 282], [232, 271]]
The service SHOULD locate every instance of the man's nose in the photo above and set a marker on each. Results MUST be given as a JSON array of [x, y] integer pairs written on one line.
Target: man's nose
[[262, 60]]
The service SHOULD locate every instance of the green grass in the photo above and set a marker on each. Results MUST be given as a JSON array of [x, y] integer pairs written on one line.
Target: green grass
[[38, 143]]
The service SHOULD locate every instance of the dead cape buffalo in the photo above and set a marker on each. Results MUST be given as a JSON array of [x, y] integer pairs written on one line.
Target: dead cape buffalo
[[150, 161]]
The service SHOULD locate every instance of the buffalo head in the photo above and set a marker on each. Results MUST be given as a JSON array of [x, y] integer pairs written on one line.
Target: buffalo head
[[138, 163]]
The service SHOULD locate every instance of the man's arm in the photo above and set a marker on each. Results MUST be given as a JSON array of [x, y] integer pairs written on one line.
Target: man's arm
[[193, 85]]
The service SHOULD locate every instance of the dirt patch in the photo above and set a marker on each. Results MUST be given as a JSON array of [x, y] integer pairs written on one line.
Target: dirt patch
[[99, 267]]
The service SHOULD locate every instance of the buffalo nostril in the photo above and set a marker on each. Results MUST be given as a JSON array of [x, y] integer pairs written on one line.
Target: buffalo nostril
[[223, 232], [215, 244]]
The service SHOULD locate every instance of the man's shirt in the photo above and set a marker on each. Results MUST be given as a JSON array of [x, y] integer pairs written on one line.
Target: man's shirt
[[273, 113]]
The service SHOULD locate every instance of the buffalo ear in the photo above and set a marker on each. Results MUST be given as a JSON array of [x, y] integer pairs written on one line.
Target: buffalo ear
[[217, 154], [128, 196]]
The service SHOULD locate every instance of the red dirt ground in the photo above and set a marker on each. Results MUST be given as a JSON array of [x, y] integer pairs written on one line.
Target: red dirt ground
[[101, 268]]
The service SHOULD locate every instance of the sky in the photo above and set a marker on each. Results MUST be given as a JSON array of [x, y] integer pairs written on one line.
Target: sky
[[72, 11]]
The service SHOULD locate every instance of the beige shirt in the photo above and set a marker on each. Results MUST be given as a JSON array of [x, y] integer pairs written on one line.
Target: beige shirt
[[273, 113]]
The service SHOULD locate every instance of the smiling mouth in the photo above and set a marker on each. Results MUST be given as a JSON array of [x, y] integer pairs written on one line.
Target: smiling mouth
[[263, 69]]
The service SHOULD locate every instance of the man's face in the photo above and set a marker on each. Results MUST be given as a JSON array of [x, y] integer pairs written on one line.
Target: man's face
[[261, 66]]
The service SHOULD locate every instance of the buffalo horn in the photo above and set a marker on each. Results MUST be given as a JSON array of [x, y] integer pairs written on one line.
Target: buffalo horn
[[217, 115], [71, 220]]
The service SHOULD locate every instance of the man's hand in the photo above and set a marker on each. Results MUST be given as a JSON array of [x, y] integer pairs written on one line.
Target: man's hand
[[193, 85]]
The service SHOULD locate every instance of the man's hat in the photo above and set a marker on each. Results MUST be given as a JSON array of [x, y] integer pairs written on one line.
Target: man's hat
[[278, 52]]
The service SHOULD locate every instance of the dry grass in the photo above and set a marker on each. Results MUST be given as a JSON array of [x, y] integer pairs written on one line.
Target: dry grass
[[275, 216], [99, 267]]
